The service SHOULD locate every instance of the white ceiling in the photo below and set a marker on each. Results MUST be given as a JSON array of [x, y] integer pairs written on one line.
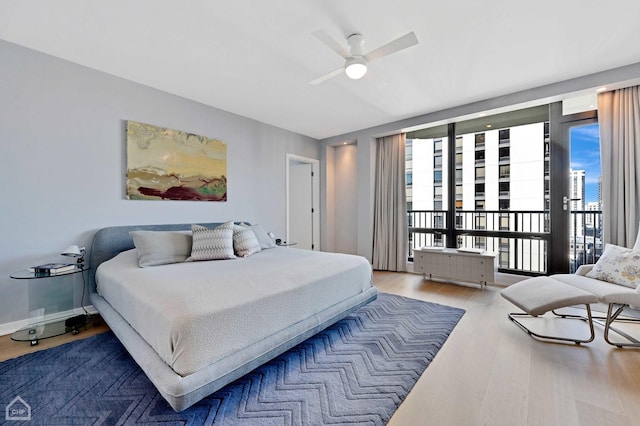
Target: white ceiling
[[256, 58]]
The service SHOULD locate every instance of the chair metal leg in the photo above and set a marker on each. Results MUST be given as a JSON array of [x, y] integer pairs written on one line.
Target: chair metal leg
[[611, 317], [588, 319]]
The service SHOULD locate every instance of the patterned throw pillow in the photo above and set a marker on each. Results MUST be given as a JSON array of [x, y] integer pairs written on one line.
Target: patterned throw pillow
[[212, 244], [618, 265], [245, 242]]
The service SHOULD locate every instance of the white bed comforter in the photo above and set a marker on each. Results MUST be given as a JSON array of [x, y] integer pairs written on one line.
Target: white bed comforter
[[196, 313]]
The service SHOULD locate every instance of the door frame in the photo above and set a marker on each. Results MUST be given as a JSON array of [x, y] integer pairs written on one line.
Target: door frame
[[315, 197], [560, 186]]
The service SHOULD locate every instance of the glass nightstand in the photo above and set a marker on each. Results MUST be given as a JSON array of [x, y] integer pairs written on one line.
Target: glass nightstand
[[51, 298]]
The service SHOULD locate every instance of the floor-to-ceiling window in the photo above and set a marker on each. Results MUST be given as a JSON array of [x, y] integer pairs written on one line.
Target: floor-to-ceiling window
[[486, 183]]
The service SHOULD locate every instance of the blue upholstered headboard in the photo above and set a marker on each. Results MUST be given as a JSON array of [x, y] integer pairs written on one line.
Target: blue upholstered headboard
[[108, 242]]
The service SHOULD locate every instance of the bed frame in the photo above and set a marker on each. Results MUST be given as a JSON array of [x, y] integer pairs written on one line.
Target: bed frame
[[182, 392]]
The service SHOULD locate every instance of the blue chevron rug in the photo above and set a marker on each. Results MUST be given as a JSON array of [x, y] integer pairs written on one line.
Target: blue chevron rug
[[357, 371]]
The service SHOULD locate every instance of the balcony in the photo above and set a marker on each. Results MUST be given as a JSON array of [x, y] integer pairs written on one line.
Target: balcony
[[519, 237]]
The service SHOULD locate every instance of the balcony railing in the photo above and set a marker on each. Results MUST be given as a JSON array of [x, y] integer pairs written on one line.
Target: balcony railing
[[520, 238]]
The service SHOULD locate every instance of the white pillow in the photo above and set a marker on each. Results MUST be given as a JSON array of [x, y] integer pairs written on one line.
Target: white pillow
[[212, 244], [618, 265], [161, 247], [266, 242], [245, 242]]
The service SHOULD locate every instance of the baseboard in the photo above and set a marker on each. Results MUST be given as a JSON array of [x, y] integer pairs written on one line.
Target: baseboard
[[11, 327]]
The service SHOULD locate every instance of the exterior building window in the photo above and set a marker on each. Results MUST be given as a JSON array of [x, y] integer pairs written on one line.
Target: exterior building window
[[458, 191], [437, 191], [480, 156], [503, 136], [504, 223], [479, 204], [409, 179], [479, 189], [480, 242], [503, 204], [437, 145], [503, 188], [437, 205], [437, 176], [479, 140], [459, 159], [458, 204], [437, 161], [480, 222], [505, 171], [480, 171], [458, 143], [503, 153], [458, 175]]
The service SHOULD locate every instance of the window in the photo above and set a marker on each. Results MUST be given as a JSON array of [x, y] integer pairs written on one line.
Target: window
[[503, 187], [504, 223], [480, 242], [458, 175], [437, 145], [458, 204], [503, 204], [480, 156], [503, 136], [438, 222], [458, 143], [437, 205], [479, 140], [505, 171], [479, 189], [409, 179], [459, 190], [503, 153], [481, 222], [437, 191], [437, 161], [480, 173], [437, 176], [458, 221], [459, 159], [479, 204]]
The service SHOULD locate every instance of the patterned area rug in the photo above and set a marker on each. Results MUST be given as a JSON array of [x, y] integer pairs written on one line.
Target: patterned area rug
[[357, 371]]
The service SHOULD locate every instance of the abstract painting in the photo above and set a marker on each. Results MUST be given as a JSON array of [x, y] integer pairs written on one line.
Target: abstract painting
[[166, 164]]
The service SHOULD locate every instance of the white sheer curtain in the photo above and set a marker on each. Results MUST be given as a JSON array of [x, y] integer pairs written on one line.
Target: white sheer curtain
[[390, 231], [619, 118]]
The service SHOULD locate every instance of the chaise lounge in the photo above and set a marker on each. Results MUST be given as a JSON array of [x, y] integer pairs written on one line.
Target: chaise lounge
[[614, 280]]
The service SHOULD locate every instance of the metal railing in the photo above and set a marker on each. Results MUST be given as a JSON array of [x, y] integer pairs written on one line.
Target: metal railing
[[520, 238]]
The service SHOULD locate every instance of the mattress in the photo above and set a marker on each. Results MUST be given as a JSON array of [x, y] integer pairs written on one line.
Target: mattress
[[194, 314]]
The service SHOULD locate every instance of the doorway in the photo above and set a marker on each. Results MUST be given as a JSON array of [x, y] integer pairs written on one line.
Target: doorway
[[569, 246], [302, 201]]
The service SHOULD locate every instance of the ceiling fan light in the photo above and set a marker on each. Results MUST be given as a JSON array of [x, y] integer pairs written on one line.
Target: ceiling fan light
[[355, 68]]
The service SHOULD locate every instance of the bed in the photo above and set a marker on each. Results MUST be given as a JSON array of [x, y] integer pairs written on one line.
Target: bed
[[194, 327]]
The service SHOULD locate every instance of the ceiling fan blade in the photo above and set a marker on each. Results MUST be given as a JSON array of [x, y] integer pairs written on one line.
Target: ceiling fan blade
[[396, 45], [327, 76], [331, 43]]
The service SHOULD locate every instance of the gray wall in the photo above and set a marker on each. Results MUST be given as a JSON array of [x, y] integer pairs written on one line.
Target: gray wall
[[63, 162]]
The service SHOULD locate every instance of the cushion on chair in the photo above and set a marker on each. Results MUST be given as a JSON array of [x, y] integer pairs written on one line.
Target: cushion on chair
[[538, 295], [618, 265], [606, 292]]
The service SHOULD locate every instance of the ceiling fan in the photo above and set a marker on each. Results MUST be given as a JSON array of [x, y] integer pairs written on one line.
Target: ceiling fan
[[356, 62]]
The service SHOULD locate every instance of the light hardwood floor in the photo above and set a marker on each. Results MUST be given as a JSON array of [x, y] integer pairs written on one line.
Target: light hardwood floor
[[489, 372]]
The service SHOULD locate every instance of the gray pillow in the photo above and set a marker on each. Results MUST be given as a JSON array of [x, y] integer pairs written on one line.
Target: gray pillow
[[265, 240], [212, 244], [161, 247], [245, 242]]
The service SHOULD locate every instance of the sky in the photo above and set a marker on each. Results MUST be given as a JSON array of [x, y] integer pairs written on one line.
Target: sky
[[585, 155]]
